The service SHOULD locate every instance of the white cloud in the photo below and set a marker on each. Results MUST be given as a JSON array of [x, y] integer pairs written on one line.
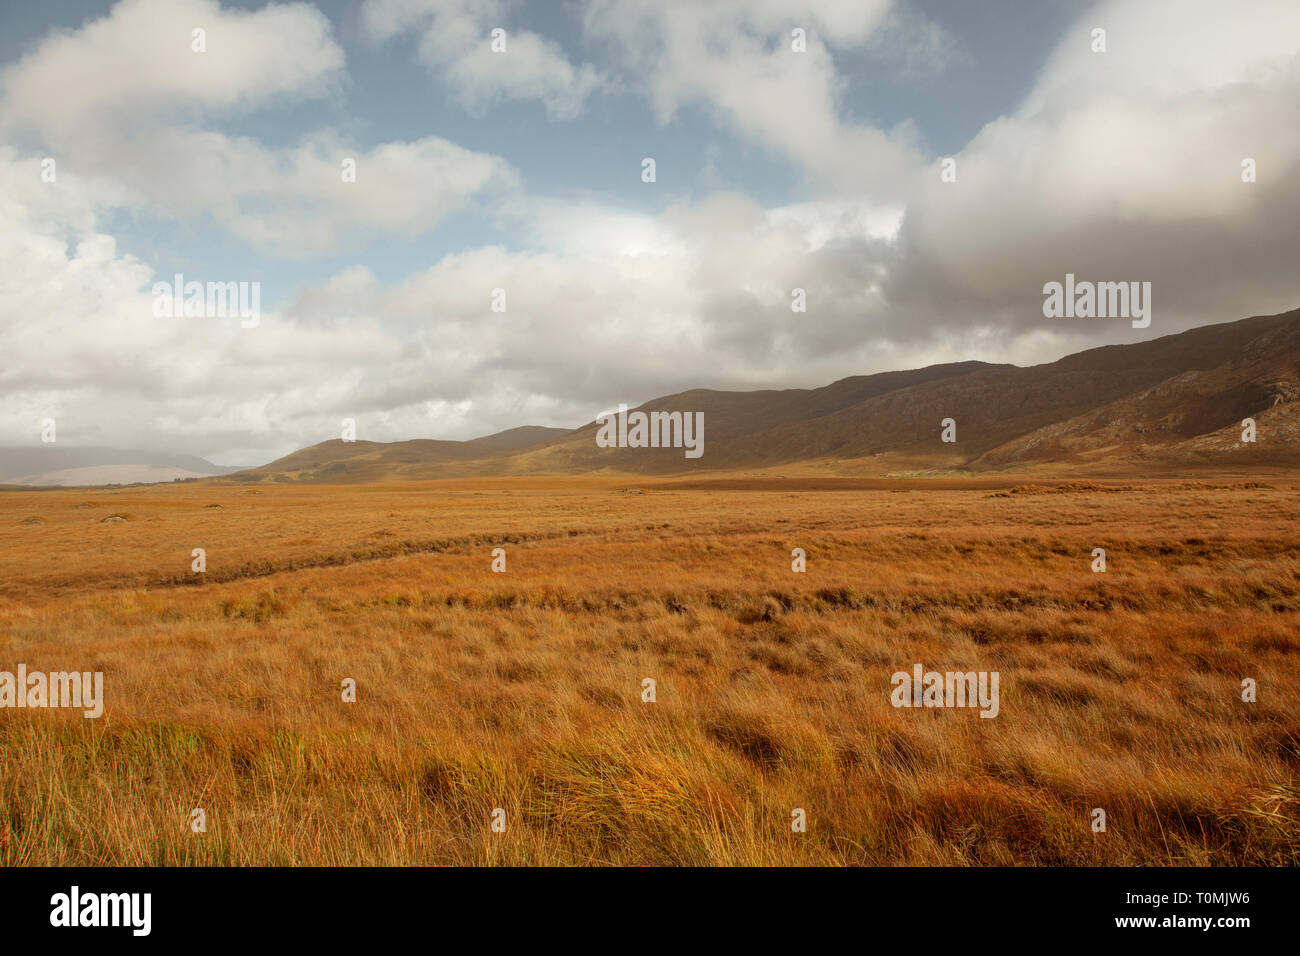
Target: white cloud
[[735, 58], [454, 43], [1124, 165], [118, 101], [1163, 49], [138, 60], [650, 310], [83, 346]]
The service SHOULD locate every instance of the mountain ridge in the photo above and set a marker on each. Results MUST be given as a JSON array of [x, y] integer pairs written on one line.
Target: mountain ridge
[[1177, 399], [1170, 402]]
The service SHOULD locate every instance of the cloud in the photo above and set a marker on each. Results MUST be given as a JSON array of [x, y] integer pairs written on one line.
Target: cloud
[[138, 60], [649, 310], [455, 45], [735, 58], [1117, 166], [916, 44], [82, 345], [122, 99], [1123, 165], [296, 202]]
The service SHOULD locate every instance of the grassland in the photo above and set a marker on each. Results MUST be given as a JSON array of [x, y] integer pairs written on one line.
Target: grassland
[[522, 690]]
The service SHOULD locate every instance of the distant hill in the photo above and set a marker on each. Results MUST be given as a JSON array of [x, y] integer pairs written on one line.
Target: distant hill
[[106, 475], [56, 464], [340, 461], [1172, 403]]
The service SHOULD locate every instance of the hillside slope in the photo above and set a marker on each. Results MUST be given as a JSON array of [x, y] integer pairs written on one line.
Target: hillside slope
[[340, 461], [1173, 401]]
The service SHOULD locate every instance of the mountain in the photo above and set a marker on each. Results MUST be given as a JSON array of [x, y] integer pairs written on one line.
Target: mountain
[[56, 464], [340, 461], [1175, 402]]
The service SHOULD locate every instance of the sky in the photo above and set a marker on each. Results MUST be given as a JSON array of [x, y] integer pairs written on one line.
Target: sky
[[919, 169]]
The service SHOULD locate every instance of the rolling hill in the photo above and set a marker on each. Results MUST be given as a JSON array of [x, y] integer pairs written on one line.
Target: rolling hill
[[59, 464], [337, 460], [1175, 402]]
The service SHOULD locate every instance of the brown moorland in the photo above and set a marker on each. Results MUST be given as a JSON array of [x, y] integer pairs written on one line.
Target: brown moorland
[[522, 690]]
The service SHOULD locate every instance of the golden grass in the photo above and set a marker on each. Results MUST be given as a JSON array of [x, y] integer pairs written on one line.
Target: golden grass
[[522, 690]]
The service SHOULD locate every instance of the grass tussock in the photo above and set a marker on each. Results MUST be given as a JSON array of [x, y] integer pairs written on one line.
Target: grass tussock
[[524, 691]]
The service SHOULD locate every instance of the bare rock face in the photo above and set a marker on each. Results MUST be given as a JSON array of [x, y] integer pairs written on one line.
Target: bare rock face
[[111, 518]]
